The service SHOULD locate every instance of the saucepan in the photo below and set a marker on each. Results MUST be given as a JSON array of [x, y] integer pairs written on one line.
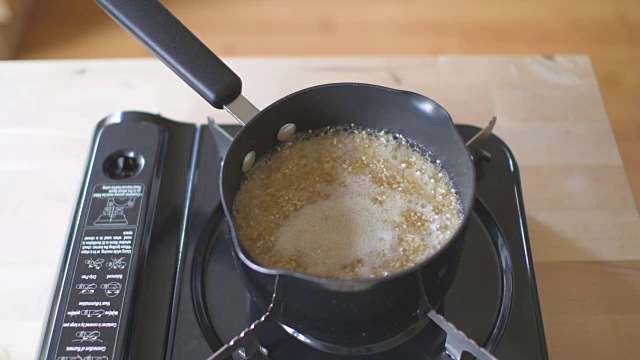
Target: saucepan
[[338, 316]]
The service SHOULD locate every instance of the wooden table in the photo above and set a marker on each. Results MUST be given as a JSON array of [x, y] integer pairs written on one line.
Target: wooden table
[[607, 30], [584, 226]]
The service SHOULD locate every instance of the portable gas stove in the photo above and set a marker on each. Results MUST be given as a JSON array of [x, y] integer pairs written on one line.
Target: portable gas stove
[[148, 271]]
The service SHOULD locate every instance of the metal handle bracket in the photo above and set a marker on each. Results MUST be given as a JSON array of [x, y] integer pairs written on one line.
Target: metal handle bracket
[[246, 344], [457, 342], [477, 142]]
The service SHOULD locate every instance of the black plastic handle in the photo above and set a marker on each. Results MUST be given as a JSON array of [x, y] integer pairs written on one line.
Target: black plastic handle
[[177, 47]]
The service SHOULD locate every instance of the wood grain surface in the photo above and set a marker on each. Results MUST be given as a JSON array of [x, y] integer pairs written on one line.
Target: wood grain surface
[[583, 224], [607, 30], [590, 308]]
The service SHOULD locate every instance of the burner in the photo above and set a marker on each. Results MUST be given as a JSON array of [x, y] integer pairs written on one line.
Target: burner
[[479, 302], [231, 310]]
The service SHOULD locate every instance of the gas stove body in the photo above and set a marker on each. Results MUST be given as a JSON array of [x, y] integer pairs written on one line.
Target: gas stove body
[[147, 272]]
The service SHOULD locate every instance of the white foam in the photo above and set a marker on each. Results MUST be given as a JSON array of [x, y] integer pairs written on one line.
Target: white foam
[[348, 226], [345, 205]]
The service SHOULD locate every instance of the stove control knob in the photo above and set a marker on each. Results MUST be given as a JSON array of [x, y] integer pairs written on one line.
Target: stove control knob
[[123, 164]]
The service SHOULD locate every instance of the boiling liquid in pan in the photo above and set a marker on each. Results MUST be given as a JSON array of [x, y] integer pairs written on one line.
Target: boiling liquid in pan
[[345, 203]]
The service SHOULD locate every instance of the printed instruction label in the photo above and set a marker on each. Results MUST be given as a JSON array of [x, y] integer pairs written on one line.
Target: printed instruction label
[[115, 205], [92, 314]]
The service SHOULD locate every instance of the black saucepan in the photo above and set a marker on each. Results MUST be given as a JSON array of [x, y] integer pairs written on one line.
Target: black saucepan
[[343, 316]]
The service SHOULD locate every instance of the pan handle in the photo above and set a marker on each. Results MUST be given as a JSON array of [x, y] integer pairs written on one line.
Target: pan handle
[[177, 47]]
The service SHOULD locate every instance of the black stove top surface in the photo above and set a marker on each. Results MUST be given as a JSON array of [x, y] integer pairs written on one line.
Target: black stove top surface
[[493, 300], [148, 272]]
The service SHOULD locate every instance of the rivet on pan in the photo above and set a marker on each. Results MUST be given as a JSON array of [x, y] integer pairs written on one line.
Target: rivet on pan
[[286, 131], [248, 161]]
